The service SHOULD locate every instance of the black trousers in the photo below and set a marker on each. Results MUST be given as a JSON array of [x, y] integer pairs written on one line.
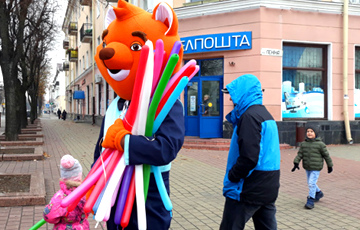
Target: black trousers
[[237, 213]]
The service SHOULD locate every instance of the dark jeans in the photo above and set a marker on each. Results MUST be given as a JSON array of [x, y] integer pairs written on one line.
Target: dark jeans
[[237, 213]]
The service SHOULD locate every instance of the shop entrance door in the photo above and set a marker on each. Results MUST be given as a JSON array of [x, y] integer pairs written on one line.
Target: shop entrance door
[[204, 105]]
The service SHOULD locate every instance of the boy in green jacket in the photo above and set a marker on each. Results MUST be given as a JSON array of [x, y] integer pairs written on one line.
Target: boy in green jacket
[[313, 152]]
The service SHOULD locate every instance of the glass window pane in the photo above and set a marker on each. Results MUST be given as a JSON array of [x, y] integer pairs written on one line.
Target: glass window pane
[[302, 57], [303, 94], [357, 83], [211, 98], [357, 95], [357, 59], [211, 67], [192, 90]]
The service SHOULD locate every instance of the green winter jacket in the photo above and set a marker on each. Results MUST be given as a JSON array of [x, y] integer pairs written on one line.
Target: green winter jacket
[[313, 152]]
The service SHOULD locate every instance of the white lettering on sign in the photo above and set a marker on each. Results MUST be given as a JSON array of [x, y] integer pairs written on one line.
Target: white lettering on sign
[[244, 41], [216, 42], [271, 52], [211, 42], [222, 45]]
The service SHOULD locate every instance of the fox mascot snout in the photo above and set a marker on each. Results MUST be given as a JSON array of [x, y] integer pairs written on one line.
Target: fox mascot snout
[[128, 28]]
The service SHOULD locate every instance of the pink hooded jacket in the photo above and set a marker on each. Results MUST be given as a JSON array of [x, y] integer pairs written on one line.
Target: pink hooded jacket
[[55, 214]]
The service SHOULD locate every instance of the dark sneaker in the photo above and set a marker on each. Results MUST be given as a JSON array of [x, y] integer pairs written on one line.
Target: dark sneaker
[[310, 203], [318, 196]]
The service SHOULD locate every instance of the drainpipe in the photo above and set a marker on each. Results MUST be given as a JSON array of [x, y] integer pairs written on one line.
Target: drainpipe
[[345, 71]]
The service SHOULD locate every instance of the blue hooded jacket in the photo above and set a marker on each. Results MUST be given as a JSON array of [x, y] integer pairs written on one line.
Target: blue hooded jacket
[[253, 165]]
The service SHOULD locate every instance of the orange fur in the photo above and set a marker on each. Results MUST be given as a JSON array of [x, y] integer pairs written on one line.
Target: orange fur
[[115, 52]]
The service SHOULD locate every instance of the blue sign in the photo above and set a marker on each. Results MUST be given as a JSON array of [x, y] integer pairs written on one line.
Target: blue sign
[[47, 105], [217, 42]]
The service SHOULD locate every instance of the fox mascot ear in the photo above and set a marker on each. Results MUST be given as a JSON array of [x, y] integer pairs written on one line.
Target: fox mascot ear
[[162, 12]]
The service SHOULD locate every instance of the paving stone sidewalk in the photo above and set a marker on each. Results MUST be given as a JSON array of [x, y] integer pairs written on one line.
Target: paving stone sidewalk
[[196, 184]]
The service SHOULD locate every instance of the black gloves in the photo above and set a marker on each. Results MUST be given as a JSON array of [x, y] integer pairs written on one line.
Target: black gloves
[[330, 169], [296, 166]]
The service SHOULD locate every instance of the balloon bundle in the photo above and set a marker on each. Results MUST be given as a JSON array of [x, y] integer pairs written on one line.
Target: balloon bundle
[[154, 95]]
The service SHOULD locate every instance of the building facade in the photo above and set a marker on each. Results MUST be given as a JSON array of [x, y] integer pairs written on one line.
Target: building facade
[[306, 54]]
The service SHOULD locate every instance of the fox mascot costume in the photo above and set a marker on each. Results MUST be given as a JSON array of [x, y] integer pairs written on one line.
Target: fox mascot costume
[[117, 57]]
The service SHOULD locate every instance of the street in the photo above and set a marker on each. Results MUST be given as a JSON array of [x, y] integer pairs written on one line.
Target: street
[[196, 183]]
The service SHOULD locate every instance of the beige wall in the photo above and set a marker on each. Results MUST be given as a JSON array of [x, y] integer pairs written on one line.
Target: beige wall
[[270, 28]]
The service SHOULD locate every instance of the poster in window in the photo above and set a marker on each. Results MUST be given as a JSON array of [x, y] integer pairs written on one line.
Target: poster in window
[[303, 101], [357, 103]]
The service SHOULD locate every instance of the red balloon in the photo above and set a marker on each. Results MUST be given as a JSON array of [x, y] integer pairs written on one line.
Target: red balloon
[[102, 181]]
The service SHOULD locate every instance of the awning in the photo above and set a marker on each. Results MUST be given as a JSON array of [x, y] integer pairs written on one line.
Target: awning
[[79, 94]]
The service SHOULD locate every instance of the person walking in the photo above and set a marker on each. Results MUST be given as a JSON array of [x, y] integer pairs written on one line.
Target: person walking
[[252, 177], [59, 113], [71, 177], [312, 152], [64, 115]]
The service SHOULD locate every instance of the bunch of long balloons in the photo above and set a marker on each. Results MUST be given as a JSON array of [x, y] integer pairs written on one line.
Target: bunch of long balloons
[[154, 95]]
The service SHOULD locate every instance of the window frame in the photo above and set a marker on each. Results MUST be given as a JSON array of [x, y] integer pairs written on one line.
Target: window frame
[[357, 71], [324, 70]]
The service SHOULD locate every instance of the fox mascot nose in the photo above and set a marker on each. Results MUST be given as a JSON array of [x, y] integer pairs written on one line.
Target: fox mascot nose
[[106, 54]]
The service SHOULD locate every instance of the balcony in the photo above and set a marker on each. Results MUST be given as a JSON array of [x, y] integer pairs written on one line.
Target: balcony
[[112, 0], [85, 2], [66, 66], [73, 28], [66, 44], [86, 33], [73, 55]]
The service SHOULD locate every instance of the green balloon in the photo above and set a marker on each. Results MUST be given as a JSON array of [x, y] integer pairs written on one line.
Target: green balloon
[[38, 224], [165, 77]]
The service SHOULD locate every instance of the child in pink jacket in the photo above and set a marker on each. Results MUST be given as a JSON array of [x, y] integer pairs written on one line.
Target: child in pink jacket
[[71, 177]]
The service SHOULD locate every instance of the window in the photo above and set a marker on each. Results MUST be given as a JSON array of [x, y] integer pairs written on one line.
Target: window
[[97, 9], [304, 83], [88, 99], [357, 83], [83, 60], [107, 95], [80, 66], [87, 59], [99, 99]]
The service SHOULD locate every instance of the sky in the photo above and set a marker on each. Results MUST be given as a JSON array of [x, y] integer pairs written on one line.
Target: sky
[[58, 54]]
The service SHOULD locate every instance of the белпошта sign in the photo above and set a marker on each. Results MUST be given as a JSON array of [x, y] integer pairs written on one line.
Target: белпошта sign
[[217, 42]]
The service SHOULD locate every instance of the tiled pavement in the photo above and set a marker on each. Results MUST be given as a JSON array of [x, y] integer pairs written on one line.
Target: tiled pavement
[[196, 184]]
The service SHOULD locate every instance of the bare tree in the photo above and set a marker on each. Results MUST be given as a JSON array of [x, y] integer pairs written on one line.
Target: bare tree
[[26, 27], [41, 33], [12, 24]]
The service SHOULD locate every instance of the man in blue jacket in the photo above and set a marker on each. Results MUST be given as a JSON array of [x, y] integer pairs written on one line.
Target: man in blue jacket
[[252, 177]]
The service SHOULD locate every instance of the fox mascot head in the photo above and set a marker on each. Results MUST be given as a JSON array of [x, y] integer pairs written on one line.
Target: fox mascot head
[[128, 28]]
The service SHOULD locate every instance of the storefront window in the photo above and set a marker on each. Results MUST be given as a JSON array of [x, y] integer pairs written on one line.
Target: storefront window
[[304, 81], [357, 83], [212, 67]]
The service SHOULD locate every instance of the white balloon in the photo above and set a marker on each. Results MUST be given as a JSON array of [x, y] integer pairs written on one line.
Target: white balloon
[[140, 198], [114, 180]]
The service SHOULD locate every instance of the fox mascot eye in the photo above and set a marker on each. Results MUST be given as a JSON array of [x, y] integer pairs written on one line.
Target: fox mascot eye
[[127, 29], [135, 46]]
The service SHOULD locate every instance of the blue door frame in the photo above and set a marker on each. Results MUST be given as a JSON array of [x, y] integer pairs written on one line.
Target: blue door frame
[[204, 119]]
